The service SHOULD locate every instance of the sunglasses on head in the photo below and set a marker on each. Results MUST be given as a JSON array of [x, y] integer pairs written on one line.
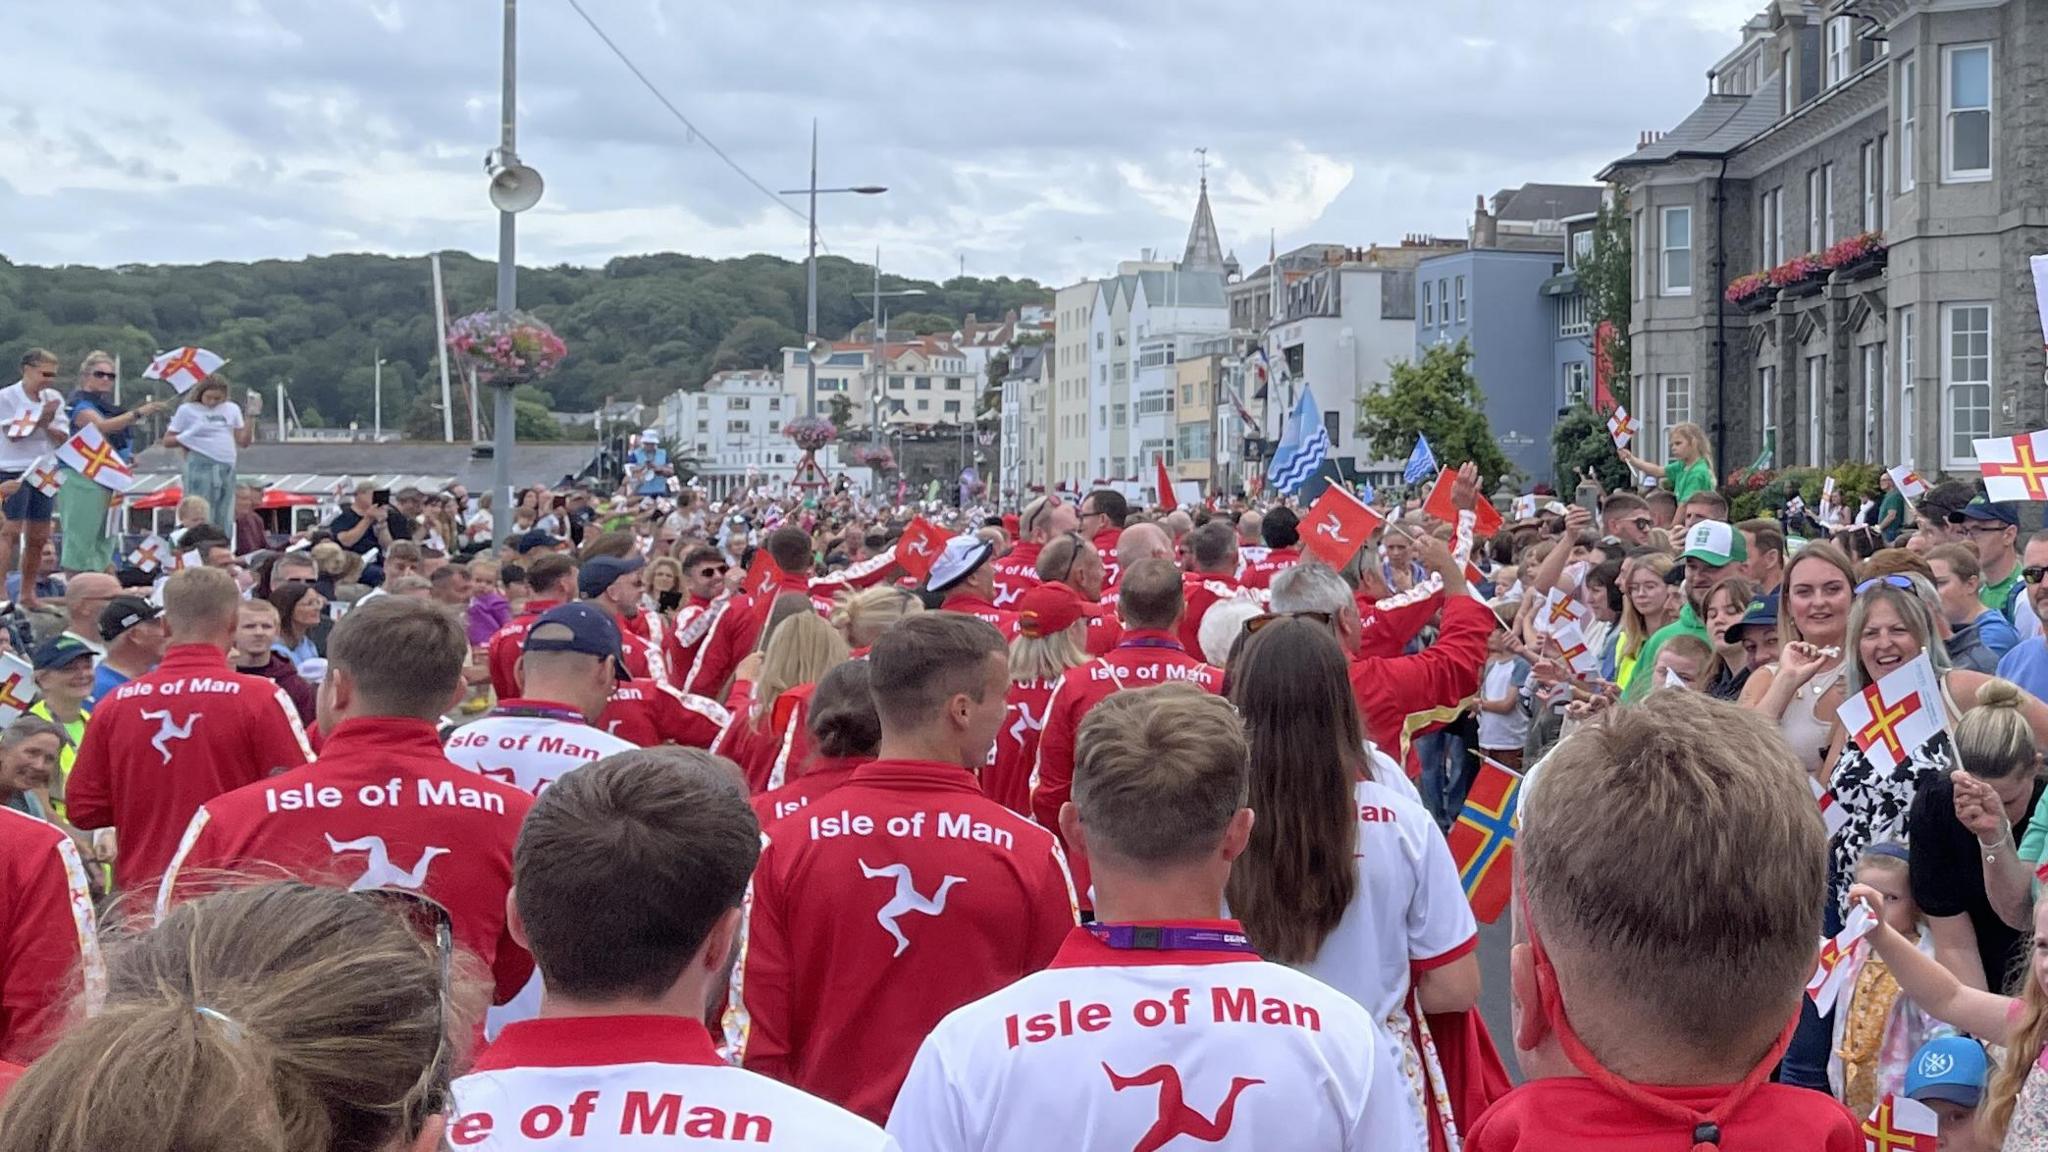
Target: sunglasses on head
[[1899, 582]]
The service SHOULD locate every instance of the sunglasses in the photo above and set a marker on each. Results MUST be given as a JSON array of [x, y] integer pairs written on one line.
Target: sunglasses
[[1258, 623], [103, 375], [708, 573], [2033, 575], [1899, 582], [1073, 555]]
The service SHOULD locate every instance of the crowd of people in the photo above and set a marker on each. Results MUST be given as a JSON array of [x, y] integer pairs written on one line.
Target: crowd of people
[[819, 821]]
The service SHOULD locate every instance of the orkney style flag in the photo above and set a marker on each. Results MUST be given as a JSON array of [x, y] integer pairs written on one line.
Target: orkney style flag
[[1891, 718], [1168, 499], [152, 554], [1908, 482], [1482, 840], [183, 368], [1337, 526], [1621, 427], [1486, 519], [919, 547], [17, 688], [1901, 1124], [2015, 467], [89, 454], [44, 476], [1831, 972], [1831, 813]]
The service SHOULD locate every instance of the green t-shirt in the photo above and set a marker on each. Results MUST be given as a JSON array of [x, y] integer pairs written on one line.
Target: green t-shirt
[[1894, 506], [1998, 597], [1688, 479], [1687, 624]]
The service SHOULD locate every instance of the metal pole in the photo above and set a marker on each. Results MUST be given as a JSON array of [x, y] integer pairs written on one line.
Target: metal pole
[[377, 399], [508, 289], [441, 346], [811, 288], [876, 394]]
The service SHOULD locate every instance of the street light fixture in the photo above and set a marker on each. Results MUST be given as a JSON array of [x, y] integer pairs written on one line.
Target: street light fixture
[[881, 375], [811, 264]]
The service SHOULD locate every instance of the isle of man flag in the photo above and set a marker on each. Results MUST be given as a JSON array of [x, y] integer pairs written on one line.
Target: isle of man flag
[[1337, 526], [1891, 718], [920, 547], [2015, 467]]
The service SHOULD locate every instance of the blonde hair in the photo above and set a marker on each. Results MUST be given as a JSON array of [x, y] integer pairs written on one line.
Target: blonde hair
[[1993, 740], [195, 507], [1634, 630], [96, 356], [283, 1017], [1914, 611], [862, 615], [2023, 1045], [1678, 938], [804, 649], [212, 382], [668, 564], [1694, 437], [198, 600], [1045, 657], [1819, 551]]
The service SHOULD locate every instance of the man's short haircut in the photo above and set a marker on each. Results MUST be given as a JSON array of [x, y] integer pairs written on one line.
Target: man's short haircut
[[1678, 937], [36, 356], [443, 575], [1686, 644], [1895, 562], [1769, 536], [1149, 595], [1310, 586], [404, 653], [1056, 559], [1250, 527], [2040, 537], [1212, 545], [1282, 528], [702, 554], [662, 840], [200, 600], [790, 548], [1715, 504], [619, 544], [926, 660], [1159, 773], [1111, 504], [403, 550], [262, 607], [1960, 558], [553, 573], [1662, 498], [1622, 504]]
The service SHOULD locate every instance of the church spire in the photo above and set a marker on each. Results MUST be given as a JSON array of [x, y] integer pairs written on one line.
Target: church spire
[[1205, 248]]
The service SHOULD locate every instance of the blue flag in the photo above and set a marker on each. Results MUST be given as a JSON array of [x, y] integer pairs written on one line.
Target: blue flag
[[1366, 492], [1421, 462], [1303, 446]]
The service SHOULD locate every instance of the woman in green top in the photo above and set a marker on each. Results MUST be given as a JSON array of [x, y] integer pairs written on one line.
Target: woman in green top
[[1691, 469]]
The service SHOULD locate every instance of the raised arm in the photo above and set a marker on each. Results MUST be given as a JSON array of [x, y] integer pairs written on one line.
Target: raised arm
[[1933, 988]]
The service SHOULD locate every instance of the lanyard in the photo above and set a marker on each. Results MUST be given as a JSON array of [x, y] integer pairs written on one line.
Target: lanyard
[[1161, 938], [1153, 642], [539, 712]]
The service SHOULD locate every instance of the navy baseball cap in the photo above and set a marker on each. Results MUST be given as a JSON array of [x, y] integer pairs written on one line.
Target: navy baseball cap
[[1762, 614], [578, 628], [602, 572], [58, 651], [528, 541], [1948, 1068], [1982, 509]]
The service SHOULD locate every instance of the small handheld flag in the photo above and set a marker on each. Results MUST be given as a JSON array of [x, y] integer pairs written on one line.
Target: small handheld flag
[[1486, 519], [1888, 720], [2014, 468], [1831, 813], [919, 547], [1574, 651], [1901, 1124], [23, 426], [17, 688], [1421, 462], [88, 453], [152, 554], [1909, 483], [44, 476], [1482, 840], [183, 368], [1621, 427], [764, 575], [1337, 526], [1168, 499], [1525, 508], [1831, 972]]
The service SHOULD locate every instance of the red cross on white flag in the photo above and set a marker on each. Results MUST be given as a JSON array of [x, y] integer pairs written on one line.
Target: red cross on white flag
[[1621, 427], [1888, 720], [2014, 467], [23, 426], [17, 688], [151, 554], [1908, 482], [1830, 973], [183, 368]]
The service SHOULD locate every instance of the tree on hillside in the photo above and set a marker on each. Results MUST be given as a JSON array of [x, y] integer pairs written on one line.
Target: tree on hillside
[[922, 324], [1580, 441], [756, 342], [1438, 398]]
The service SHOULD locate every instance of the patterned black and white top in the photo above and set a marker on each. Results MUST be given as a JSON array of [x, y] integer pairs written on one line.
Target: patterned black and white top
[[1876, 802]]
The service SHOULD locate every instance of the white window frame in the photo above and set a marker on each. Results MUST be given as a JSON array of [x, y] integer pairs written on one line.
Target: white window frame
[[1900, 420], [1827, 206], [1952, 382], [1767, 393], [1871, 196], [1461, 299], [1874, 374], [1908, 98], [1816, 409], [1950, 174], [1813, 209], [1443, 301], [1665, 251], [1674, 407], [1771, 213], [1785, 98], [1841, 57], [1428, 305], [1639, 256], [1575, 383]]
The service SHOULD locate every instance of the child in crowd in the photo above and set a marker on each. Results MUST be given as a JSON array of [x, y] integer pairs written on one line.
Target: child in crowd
[[1682, 963], [1684, 658], [1948, 1075], [1877, 1029], [1503, 726], [2014, 1111]]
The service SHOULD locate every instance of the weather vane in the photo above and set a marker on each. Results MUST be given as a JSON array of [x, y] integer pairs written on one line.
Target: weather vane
[[1204, 154]]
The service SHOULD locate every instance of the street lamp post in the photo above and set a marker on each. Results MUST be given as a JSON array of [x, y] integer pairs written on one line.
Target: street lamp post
[[377, 399], [877, 395], [514, 188], [811, 267]]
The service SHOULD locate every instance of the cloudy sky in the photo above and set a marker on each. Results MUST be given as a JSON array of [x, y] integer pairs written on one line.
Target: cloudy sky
[[1047, 139]]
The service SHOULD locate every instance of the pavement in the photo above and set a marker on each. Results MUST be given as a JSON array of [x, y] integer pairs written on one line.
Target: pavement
[[1495, 991]]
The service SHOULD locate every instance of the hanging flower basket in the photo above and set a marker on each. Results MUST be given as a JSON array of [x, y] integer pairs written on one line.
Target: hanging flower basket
[[1751, 293], [1857, 258], [811, 433], [1799, 276], [506, 347], [879, 459]]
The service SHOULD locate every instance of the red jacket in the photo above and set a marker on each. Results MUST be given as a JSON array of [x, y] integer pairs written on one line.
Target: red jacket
[[1387, 633], [1017, 572], [1007, 779], [826, 590], [1105, 631], [819, 776], [858, 940], [1573, 1114], [642, 661], [684, 638], [732, 634], [448, 835], [509, 644], [1145, 659], [49, 943], [1201, 591], [1259, 573], [164, 743], [968, 604], [1105, 546], [1392, 688], [647, 713], [765, 747]]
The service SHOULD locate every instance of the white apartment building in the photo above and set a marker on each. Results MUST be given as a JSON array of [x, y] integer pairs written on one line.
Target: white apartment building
[[1066, 401], [730, 431]]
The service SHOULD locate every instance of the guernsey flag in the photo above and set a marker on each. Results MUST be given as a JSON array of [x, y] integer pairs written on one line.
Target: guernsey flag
[[1483, 839]]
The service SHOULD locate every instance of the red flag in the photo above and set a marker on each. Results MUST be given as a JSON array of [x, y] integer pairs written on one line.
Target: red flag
[[1603, 366], [1337, 526], [1485, 517], [764, 576], [1167, 500], [919, 548]]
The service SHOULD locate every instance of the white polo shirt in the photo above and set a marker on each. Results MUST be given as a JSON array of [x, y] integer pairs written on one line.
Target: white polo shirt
[[1113, 1049], [15, 401], [530, 744]]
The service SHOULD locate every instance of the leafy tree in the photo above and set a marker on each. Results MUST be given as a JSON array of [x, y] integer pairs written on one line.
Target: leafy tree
[[922, 324], [841, 413], [1438, 398], [755, 342], [533, 422], [1604, 278], [1580, 441]]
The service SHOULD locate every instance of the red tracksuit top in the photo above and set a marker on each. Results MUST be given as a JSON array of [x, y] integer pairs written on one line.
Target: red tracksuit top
[[1105, 630], [166, 742], [1105, 546], [684, 638], [648, 712], [968, 604], [1016, 572], [1201, 591], [820, 775], [1387, 633], [859, 939], [1390, 689], [733, 633], [448, 836], [765, 750], [509, 644], [49, 944], [1007, 779], [1259, 573]]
